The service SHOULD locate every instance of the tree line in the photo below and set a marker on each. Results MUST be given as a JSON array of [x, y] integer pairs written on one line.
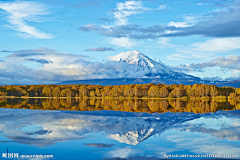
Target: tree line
[[134, 90], [127, 105]]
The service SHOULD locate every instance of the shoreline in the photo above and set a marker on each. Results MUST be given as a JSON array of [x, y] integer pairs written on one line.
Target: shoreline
[[141, 98]]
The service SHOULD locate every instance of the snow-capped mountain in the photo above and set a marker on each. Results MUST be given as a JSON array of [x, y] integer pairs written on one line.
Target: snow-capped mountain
[[133, 67], [138, 64], [134, 57]]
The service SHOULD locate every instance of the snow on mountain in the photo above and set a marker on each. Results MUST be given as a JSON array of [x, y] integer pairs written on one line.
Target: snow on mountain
[[138, 59], [133, 57], [137, 65]]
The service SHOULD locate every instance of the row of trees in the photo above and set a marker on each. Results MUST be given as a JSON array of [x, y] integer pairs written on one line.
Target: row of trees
[[129, 105], [134, 90]]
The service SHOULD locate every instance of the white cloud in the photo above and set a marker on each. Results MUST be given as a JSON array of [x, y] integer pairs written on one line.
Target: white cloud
[[177, 57], [178, 24], [123, 152], [165, 42], [200, 4], [208, 145], [122, 42], [64, 64], [231, 62], [189, 52], [207, 50], [129, 8], [124, 10], [121, 29], [189, 20], [52, 66], [161, 7], [235, 71], [224, 67], [218, 45], [169, 32], [17, 13]]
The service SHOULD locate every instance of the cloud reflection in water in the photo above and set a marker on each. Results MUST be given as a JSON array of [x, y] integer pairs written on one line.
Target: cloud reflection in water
[[128, 134]]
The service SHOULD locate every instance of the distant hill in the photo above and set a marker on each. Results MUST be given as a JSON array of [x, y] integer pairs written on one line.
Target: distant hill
[[124, 81], [235, 84]]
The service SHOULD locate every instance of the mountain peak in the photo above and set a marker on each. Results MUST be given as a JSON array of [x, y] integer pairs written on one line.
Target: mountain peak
[[133, 57], [125, 55], [135, 65]]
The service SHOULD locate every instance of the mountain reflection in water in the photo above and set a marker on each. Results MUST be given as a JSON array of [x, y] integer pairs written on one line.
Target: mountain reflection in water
[[115, 134]]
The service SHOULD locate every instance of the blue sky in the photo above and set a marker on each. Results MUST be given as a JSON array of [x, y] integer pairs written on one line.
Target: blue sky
[[47, 41]]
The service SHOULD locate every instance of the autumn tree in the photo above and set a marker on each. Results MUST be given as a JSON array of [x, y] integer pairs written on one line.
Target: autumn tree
[[201, 89], [137, 91], [214, 91], [153, 91], [237, 92], [195, 89], [179, 92], [114, 91], [145, 89], [207, 90], [106, 90], [56, 91], [164, 92], [128, 91], [31, 90], [3, 93], [83, 91], [47, 91], [189, 91], [172, 94], [92, 94], [75, 90], [97, 92], [66, 93]]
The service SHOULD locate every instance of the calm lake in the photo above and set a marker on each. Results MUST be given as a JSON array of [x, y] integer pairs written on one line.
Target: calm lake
[[78, 129]]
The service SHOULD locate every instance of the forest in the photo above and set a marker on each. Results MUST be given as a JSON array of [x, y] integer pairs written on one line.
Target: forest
[[122, 91]]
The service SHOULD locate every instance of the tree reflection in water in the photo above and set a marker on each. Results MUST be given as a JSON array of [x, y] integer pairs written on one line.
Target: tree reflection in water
[[127, 105]]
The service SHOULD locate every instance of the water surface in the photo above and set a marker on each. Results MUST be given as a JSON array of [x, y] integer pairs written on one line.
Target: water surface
[[107, 134]]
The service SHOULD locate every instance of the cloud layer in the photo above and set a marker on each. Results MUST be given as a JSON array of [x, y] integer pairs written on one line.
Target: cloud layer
[[230, 62], [129, 8], [53, 65], [100, 49], [218, 45], [19, 12], [222, 23]]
